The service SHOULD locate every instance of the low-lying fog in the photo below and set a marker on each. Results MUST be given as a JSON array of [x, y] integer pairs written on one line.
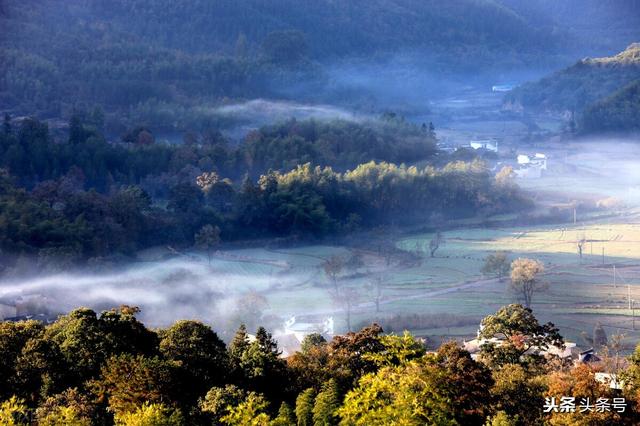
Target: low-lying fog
[[184, 288]]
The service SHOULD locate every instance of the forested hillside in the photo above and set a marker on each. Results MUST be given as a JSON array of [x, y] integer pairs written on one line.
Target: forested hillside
[[619, 112], [140, 59], [81, 198], [599, 26], [575, 88]]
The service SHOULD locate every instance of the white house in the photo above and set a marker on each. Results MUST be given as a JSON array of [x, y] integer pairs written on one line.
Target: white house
[[295, 331], [473, 347], [531, 166], [488, 144]]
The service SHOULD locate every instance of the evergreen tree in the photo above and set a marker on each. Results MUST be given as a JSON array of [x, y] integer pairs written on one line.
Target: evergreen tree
[[326, 405], [239, 344], [285, 416], [304, 407], [266, 341]]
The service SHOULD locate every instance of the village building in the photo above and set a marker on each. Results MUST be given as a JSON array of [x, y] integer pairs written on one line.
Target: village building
[[501, 88], [296, 329], [488, 144], [530, 166], [568, 351]]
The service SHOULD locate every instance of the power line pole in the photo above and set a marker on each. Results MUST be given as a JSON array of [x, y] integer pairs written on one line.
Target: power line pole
[[629, 295], [614, 275]]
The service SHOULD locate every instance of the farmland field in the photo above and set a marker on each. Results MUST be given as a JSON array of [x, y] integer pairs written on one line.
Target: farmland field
[[581, 292]]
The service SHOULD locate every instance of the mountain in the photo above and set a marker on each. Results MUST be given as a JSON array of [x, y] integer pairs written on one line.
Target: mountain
[[617, 113], [595, 26], [576, 87], [171, 63]]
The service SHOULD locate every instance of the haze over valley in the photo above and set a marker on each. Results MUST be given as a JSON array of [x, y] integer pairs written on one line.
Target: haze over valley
[[292, 172]]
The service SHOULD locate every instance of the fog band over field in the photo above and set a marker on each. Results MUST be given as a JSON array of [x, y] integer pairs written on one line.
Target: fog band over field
[[165, 291]]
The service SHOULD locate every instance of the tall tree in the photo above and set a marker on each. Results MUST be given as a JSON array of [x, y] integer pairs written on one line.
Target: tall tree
[[525, 278], [326, 405], [208, 237], [520, 332], [304, 407]]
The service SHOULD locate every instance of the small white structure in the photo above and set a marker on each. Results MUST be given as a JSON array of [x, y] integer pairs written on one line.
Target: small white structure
[[294, 333], [488, 144], [473, 347], [502, 88], [531, 166], [611, 380]]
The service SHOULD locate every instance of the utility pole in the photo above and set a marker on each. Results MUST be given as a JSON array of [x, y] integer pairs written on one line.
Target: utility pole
[[574, 216], [614, 275], [629, 295]]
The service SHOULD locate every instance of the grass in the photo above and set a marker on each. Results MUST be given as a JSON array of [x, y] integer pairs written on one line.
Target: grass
[[580, 292]]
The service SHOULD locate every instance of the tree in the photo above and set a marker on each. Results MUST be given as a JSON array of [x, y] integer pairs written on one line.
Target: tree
[[218, 400], [312, 340], [69, 404], [580, 246], [250, 412], [333, 267], [435, 243], [347, 363], [341, 295], [432, 131], [208, 237], [496, 264], [501, 419], [520, 331], [326, 405], [524, 278], [150, 414], [304, 407], [199, 352], [285, 416], [398, 350], [13, 339], [126, 382], [82, 340], [504, 177], [446, 388], [67, 416], [375, 288], [239, 344], [580, 382], [519, 394], [14, 412], [260, 367], [40, 369]]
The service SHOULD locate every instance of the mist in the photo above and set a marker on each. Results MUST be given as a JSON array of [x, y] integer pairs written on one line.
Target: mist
[[165, 291]]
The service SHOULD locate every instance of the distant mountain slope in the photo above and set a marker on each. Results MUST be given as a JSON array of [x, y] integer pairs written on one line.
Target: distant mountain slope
[[597, 26], [617, 113], [167, 62], [588, 81]]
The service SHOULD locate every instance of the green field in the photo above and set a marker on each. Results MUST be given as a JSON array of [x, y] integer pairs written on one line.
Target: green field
[[580, 292]]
